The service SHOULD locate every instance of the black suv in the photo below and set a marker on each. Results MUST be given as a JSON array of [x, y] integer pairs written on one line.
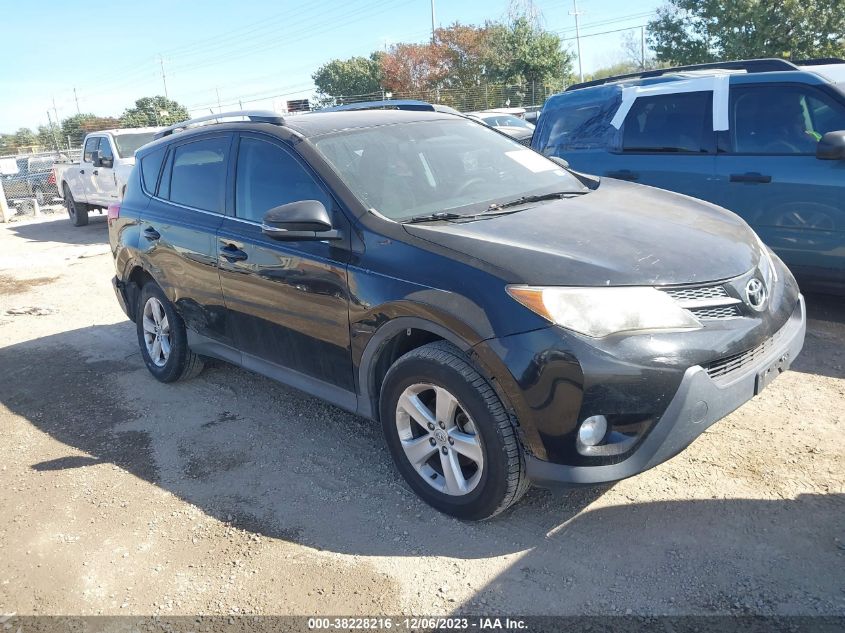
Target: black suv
[[505, 319]]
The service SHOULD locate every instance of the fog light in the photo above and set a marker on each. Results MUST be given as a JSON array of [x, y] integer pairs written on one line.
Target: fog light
[[592, 430]]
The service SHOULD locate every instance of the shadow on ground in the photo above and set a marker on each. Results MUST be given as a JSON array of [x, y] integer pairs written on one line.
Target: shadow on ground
[[824, 346], [269, 460], [59, 229]]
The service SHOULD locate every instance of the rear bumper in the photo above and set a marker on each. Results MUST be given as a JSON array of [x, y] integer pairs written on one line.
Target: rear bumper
[[699, 402]]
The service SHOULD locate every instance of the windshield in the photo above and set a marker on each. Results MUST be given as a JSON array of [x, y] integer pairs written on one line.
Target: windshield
[[128, 143], [412, 169], [506, 120]]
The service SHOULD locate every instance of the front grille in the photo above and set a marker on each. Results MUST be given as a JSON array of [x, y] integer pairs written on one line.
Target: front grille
[[693, 294], [720, 312], [725, 367]]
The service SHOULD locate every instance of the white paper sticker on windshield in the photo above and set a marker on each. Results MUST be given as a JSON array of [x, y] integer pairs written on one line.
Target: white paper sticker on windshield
[[532, 160]]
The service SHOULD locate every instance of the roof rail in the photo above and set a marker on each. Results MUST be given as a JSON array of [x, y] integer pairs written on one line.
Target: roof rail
[[821, 61], [396, 104], [254, 116], [748, 65]]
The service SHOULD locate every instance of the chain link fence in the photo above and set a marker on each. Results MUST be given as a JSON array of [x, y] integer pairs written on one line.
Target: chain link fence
[[28, 181]]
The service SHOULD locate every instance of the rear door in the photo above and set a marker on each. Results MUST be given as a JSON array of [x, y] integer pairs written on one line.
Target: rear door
[[179, 226], [771, 177], [668, 142], [287, 301]]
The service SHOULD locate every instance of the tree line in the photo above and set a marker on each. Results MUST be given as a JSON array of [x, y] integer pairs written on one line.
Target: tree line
[[147, 112], [459, 60]]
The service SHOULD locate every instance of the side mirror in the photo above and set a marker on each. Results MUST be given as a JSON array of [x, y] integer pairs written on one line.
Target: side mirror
[[106, 161], [832, 146], [97, 158], [300, 220], [560, 161]]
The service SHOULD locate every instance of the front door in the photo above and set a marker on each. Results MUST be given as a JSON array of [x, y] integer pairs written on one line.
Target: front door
[[773, 180], [287, 301], [104, 184]]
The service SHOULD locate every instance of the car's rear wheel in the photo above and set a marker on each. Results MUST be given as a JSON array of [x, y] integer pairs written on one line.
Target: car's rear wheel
[[449, 434], [77, 211], [163, 339]]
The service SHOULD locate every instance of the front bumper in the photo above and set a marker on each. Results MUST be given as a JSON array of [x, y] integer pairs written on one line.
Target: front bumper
[[699, 402]]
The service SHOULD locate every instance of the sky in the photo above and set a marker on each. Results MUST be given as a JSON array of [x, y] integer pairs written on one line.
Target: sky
[[217, 53]]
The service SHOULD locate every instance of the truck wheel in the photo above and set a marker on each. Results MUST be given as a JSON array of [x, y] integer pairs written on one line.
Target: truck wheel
[[163, 338], [38, 192], [77, 212], [450, 435]]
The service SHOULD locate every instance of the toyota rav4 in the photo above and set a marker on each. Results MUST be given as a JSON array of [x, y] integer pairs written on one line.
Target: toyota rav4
[[505, 319]]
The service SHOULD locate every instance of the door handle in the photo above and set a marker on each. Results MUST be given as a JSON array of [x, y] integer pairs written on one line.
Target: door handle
[[751, 176], [96, 172], [623, 174], [151, 234], [233, 254], [81, 171]]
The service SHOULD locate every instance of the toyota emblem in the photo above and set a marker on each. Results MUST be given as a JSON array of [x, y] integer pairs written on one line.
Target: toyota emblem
[[755, 293]]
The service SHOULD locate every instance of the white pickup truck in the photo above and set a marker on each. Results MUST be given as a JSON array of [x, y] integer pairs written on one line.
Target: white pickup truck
[[99, 179]]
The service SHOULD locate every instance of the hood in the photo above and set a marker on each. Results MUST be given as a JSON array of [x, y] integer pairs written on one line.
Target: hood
[[621, 234]]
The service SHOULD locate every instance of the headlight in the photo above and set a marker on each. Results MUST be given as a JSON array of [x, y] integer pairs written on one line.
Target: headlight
[[598, 312]]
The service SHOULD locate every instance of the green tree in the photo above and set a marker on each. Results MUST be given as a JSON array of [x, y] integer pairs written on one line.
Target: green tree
[[699, 31], [74, 128], [348, 77], [154, 111], [527, 53]]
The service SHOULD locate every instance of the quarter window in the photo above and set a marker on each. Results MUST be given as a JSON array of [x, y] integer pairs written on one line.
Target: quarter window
[[150, 168], [198, 177], [669, 123], [778, 120], [269, 176]]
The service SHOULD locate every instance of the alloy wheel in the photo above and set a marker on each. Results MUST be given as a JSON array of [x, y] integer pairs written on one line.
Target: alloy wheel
[[156, 332], [439, 439]]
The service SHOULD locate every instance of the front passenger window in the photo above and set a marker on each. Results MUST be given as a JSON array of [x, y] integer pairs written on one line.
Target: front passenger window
[[269, 176]]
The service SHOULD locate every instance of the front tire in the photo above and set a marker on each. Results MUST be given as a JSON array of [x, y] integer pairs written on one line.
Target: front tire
[[77, 211], [163, 338], [449, 434]]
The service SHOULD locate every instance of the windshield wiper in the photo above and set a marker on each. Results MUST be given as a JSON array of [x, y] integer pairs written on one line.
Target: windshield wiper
[[433, 217], [529, 199]]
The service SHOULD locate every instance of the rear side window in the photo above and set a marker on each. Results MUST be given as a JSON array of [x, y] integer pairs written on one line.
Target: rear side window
[[269, 176], [198, 174], [782, 120], [90, 149], [150, 168], [669, 123]]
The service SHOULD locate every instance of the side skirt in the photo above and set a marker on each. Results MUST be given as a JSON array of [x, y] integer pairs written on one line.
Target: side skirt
[[332, 394]]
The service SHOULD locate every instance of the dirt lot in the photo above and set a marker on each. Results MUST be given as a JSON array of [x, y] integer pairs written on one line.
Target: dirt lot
[[233, 494]]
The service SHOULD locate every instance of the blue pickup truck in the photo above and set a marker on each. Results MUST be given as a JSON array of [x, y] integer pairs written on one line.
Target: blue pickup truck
[[763, 138]]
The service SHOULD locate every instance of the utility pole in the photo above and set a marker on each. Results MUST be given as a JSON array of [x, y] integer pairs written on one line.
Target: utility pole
[[642, 48], [56, 112], [163, 77], [75, 98], [577, 15], [53, 131], [219, 107], [432, 22]]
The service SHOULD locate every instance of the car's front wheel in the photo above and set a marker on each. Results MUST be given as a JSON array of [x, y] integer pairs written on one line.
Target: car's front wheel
[[77, 212], [163, 338], [449, 434]]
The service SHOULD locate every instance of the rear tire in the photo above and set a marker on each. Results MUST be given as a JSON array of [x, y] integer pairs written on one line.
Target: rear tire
[[77, 211], [163, 338], [459, 451]]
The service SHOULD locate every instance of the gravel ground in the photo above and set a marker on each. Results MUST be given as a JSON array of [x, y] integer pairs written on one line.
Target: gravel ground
[[231, 494]]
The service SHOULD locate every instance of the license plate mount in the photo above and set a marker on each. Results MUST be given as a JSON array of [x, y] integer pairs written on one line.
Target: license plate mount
[[767, 375]]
